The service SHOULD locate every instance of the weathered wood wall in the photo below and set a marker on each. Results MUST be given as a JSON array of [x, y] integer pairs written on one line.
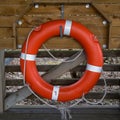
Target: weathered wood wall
[[12, 35]]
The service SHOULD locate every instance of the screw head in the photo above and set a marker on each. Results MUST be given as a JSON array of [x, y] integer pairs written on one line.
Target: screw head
[[19, 22], [104, 22], [87, 6], [36, 5], [104, 46]]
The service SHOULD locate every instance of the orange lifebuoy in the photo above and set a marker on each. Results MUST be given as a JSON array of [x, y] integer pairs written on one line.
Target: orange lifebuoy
[[94, 60]]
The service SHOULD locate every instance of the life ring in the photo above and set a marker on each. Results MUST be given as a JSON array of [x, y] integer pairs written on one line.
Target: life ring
[[89, 43]]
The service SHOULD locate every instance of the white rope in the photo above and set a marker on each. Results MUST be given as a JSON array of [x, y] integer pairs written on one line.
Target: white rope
[[56, 59], [103, 97]]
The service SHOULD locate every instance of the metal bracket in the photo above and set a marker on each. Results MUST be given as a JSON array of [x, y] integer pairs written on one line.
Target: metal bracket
[[62, 11]]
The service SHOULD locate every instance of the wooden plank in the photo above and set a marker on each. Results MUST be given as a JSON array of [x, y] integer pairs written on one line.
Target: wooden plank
[[6, 43], [11, 10], [15, 2], [100, 11], [115, 21], [73, 80], [22, 2], [101, 31], [110, 67], [17, 96], [47, 113], [114, 43], [59, 53], [2, 81], [115, 32], [65, 81], [110, 9], [94, 95], [6, 21], [46, 68], [57, 42], [45, 10], [90, 95], [106, 1], [79, 9], [85, 19], [6, 32]]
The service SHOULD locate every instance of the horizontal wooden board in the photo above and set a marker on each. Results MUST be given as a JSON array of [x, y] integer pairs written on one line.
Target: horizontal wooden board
[[31, 21], [45, 10], [114, 43], [6, 33], [7, 21], [115, 21], [13, 9], [6, 43], [15, 2], [59, 53], [90, 95], [43, 1], [61, 43], [12, 2], [57, 42], [106, 1], [98, 31], [110, 9], [94, 95], [79, 10], [44, 68], [19, 82], [47, 113], [115, 32]]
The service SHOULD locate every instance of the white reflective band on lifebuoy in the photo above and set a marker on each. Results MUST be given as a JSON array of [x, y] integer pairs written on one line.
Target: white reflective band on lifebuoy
[[94, 68], [55, 92], [67, 28], [28, 57]]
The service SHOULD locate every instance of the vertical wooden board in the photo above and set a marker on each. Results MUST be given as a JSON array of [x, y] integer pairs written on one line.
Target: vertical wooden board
[[2, 81]]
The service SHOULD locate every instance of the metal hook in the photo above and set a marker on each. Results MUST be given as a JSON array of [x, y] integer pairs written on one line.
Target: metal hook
[[61, 32]]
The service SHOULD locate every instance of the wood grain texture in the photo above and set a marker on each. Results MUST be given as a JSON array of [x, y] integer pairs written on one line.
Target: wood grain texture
[[12, 11]]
